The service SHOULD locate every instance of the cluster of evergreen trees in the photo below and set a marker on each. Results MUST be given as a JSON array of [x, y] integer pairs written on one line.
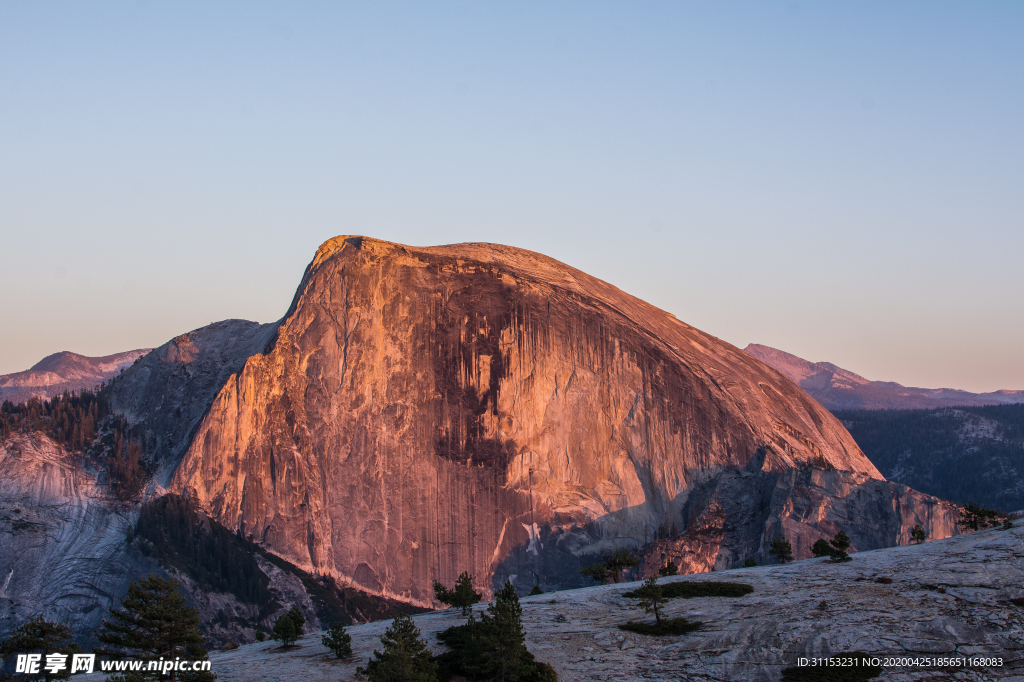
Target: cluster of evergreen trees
[[611, 566], [174, 532], [492, 648], [70, 419], [154, 622], [925, 450], [82, 422]]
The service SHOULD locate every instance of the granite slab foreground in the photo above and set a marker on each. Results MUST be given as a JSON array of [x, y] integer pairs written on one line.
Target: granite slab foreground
[[949, 597]]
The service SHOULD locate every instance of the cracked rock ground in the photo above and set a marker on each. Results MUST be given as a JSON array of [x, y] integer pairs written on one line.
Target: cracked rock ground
[[949, 597]]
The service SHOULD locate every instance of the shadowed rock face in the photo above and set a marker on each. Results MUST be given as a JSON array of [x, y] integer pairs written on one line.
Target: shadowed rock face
[[737, 513], [62, 544], [424, 411], [166, 393]]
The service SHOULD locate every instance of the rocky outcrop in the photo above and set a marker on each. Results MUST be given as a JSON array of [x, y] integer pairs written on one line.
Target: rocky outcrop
[[738, 513], [840, 389], [64, 371], [166, 393], [425, 411], [63, 548]]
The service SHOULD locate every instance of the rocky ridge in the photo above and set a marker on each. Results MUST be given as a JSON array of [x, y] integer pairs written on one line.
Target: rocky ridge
[[64, 371], [840, 389]]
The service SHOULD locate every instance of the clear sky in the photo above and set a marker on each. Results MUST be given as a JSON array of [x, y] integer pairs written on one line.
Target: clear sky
[[844, 181]]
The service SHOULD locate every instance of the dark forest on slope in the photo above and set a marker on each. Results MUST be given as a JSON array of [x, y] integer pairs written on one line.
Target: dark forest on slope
[[960, 454], [82, 422]]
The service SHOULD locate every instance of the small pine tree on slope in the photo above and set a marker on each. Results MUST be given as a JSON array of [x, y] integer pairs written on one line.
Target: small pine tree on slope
[[405, 658]]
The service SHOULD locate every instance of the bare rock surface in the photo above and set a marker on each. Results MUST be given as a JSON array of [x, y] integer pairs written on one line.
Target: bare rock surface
[[423, 411], [64, 371], [737, 513], [63, 550], [167, 392], [948, 597]]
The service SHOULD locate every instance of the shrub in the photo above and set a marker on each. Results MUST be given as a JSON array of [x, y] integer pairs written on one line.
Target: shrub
[[669, 626], [691, 590], [260, 636], [405, 657], [840, 543], [535, 591], [462, 597], [750, 562], [338, 641], [918, 535], [781, 549], [668, 569], [1007, 524], [821, 548]]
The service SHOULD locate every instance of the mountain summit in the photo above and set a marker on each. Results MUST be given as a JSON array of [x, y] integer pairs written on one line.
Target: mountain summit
[[425, 411], [840, 389], [64, 371]]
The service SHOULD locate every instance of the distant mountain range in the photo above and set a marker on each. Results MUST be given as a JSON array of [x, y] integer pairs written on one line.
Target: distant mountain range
[[840, 389], [64, 371]]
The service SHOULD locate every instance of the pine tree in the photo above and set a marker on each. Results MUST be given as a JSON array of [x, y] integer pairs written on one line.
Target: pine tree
[[285, 630], [505, 616], [651, 598], [298, 619], [155, 622], [37, 635], [781, 549], [405, 658], [338, 641], [668, 569], [918, 535], [463, 596], [840, 543], [821, 548], [493, 648]]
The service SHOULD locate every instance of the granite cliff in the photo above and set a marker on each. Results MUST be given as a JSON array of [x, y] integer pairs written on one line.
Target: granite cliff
[[423, 411]]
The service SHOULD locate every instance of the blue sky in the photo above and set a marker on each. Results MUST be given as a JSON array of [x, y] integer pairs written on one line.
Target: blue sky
[[841, 181]]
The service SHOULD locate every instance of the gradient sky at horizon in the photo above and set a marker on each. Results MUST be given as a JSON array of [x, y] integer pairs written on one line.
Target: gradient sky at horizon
[[844, 182]]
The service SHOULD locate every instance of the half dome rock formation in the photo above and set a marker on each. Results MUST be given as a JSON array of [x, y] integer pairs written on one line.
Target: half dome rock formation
[[426, 411]]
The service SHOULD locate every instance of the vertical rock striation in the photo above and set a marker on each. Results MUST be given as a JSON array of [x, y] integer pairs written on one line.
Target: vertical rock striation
[[425, 411]]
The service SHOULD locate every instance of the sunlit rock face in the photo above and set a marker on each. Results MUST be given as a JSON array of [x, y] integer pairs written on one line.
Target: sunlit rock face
[[168, 391], [425, 411]]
